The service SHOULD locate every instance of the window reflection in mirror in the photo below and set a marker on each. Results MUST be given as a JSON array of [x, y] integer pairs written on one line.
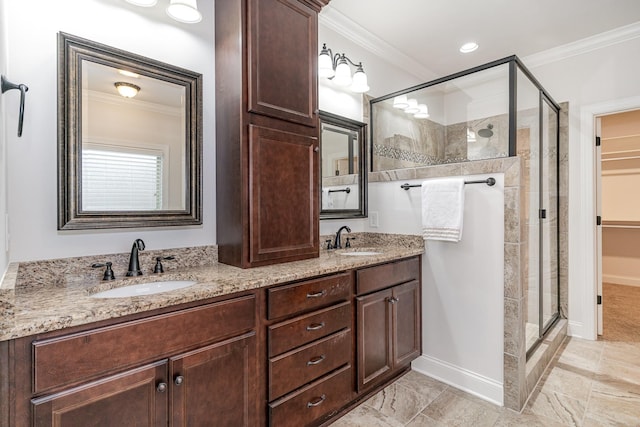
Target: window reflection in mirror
[[343, 185], [126, 161]]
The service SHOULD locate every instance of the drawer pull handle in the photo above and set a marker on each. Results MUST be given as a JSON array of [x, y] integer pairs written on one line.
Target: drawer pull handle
[[315, 326], [316, 401], [316, 360], [179, 380], [161, 387], [317, 294], [393, 300]]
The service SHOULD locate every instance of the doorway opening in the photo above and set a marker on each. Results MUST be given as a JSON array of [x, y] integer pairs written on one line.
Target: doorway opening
[[618, 177]]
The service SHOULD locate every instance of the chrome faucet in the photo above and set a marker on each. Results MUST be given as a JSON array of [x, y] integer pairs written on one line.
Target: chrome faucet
[[134, 263], [337, 244]]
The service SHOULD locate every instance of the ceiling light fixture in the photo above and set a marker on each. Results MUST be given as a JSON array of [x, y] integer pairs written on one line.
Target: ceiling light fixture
[[468, 47], [336, 67], [128, 90], [184, 11], [143, 3]]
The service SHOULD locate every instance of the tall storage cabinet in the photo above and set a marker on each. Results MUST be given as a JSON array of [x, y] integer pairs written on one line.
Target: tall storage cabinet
[[267, 130]]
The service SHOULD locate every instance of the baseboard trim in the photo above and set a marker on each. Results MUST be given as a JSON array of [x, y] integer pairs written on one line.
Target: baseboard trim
[[621, 280], [463, 379]]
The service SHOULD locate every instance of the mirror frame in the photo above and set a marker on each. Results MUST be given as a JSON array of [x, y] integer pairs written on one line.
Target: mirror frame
[[361, 129], [72, 50]]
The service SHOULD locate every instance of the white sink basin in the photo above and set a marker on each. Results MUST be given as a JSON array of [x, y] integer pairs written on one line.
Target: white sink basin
[[144, 289], [360, 253]]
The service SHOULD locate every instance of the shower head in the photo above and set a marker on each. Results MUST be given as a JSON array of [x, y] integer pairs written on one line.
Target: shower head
[[487, 132]]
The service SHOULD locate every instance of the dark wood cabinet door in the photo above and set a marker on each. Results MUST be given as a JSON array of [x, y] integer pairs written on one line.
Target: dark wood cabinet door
[[138, 397], [283, 206], [374, 336], [282, 63], [216, 385], [406, 323]]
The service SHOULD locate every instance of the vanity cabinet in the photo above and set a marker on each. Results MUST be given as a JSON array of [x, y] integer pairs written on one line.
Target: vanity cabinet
[[310, 350], [183, 368], [267, 130], [388, 317]]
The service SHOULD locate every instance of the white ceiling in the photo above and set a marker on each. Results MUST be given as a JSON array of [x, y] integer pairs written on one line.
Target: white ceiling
[[430, 32]]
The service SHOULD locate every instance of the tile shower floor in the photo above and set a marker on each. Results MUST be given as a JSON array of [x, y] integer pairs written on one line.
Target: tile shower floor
[[588, 383]]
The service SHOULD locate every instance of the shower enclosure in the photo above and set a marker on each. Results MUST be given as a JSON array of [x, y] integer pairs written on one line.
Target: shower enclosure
[[495, 110]]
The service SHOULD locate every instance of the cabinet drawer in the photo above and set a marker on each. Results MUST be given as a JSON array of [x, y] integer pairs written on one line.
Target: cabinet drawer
[[383, 276], [309, 295], [293, 333], [313, 402], [88, 355], [296, 368]]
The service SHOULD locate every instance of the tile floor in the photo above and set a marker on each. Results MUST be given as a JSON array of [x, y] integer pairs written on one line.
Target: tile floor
[[589, 383]]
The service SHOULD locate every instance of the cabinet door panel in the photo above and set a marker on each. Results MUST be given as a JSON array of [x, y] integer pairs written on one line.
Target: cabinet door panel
[[406, 327], [374, 336], [282, 60], [127, 399], [216, 385], [283, 207]]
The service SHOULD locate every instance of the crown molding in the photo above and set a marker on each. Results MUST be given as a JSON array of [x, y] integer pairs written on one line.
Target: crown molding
[[588, 44], [349, 29]]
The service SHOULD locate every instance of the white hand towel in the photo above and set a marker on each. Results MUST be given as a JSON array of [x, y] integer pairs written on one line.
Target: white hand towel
[[327, 201], [443, 209]]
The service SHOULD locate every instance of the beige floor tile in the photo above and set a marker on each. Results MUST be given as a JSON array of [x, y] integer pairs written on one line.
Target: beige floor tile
[[580, 354], [567, 380], [612, 410], [616, 370], [622, 352], [365, 416], [400, 402], [556, 406], [512, 419], [423, 421], [422, 384], [451, 409]]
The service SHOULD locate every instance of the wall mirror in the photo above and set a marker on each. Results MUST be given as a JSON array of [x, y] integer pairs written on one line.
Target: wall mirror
[[342, 171], [129, 139]]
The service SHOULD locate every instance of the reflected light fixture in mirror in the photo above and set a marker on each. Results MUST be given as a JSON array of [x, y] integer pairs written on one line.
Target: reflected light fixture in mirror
[[128, 90], [401, 102], [184, 11], [143, 3], [336, 67], [423, 112], [412, 107]]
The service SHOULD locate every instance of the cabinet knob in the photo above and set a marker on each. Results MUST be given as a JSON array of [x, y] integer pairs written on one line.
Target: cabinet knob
[[316, 360], [316, 149], [392, 300], [161, 387], [178, 380], [315, 402]]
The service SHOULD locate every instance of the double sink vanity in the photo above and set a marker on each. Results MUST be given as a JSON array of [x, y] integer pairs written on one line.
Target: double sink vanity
[[290, 344]]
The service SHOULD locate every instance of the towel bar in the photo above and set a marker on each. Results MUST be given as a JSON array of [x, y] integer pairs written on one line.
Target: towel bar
[[489, 181], [345, 190]]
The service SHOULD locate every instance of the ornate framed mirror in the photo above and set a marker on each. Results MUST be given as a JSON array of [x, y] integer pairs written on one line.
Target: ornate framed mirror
[[343, 172], [129, 139]]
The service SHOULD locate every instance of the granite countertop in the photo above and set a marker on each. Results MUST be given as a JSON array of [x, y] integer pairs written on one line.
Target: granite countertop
[[40, 297]]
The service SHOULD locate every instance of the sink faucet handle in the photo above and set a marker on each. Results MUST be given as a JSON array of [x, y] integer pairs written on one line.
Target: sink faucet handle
[[159, 268], [348, 243], [329, 245], [108, 272]]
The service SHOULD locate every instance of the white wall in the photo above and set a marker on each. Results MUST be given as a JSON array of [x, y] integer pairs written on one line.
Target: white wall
[[31, 59], [590, 82], [463, 285], [3, 139]]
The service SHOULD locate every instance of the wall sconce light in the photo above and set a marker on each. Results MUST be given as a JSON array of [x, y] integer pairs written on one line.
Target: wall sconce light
[[336, 67], [184, 11], [128, 90]]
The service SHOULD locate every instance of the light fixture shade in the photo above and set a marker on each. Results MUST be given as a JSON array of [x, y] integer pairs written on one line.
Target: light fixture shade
[[343, 73], [468, 47], [359, 84], [128, 90], [184, 11], [325, 64], [143, 3], [400, 102], [413, 106], [423, 112]]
